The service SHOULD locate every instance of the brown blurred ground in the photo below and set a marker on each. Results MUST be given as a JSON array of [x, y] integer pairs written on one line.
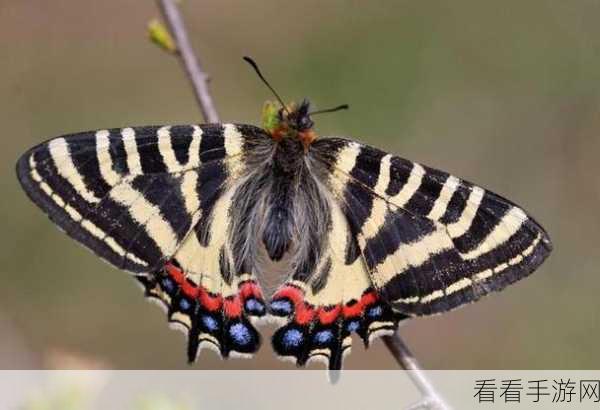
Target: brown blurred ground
[[507, 95]]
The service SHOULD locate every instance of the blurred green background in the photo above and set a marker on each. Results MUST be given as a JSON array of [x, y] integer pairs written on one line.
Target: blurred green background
[[505, 94]]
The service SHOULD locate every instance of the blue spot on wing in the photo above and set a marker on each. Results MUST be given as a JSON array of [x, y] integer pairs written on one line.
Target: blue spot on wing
[[168, 285], [323, 336], [254, 306], [281, 307], [184, 304], [240, 334], [375, 311], [209, 323], [292, 338], [353, 326]]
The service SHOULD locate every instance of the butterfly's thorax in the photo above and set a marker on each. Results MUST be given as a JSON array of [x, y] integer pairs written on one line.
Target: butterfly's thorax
[[288, 157]]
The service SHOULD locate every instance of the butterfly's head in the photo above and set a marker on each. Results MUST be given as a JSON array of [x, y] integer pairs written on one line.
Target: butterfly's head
[[291, 121]]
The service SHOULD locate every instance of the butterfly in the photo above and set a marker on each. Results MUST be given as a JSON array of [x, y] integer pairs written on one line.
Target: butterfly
[[202, 214]]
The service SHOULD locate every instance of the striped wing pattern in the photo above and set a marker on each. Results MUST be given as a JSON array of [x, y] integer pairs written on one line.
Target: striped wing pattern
[[431, 241], [129, 194], [150, 200]]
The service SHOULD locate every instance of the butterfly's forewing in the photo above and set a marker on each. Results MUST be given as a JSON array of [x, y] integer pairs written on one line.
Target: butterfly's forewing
[[430, 241], [119, 191], [146, 199]]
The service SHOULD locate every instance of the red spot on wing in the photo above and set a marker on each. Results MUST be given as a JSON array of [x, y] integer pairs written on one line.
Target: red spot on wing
[[174, 272], [292, 293], [369, 298], [353, 310], [329, 315], [188, 288], [209, 301], [357, 308], [304, 313], [250, 289], [232, 306]]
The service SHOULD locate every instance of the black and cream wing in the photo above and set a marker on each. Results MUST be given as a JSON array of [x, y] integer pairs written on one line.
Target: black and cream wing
[[430, 241], [132, 194], [155, 201]]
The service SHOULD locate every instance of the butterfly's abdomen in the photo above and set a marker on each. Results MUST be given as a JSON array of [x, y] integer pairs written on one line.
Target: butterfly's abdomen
[[284, 172], [277, 231]]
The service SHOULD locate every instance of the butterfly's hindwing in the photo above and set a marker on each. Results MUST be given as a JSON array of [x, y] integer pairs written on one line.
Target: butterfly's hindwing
[[326, 305], [431, 241]]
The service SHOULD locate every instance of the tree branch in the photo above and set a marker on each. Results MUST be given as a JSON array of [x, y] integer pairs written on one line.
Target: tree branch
[[199, 80], [431, 399], [193, 68]]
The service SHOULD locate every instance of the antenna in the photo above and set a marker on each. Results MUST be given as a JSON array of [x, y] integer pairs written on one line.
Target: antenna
[[334, 109], [255, 67]]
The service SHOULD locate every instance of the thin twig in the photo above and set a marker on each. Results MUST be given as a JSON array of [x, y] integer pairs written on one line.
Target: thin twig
[[431, 399], [198, 78], [192, 65]]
